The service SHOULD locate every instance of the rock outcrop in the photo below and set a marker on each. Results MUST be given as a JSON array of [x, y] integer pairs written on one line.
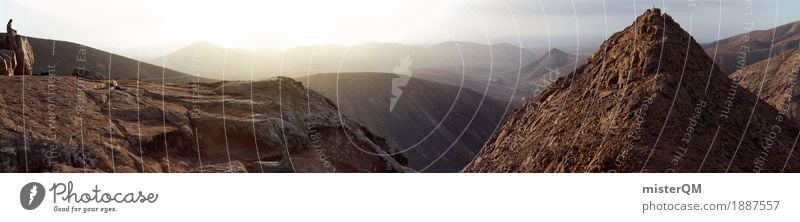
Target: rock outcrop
[[23, 53], [8, 62], [649, 100], [68, 124]]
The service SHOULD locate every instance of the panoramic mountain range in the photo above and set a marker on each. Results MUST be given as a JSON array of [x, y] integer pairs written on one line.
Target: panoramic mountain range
[[649, 100]]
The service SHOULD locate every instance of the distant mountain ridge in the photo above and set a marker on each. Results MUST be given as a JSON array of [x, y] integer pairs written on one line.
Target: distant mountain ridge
[[538, 74], [65, 56], [738, 51], [523, 82], [473, 59], [438, 127]]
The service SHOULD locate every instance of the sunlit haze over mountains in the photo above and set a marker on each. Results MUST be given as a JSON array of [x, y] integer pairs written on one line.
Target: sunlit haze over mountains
[[167, 25]]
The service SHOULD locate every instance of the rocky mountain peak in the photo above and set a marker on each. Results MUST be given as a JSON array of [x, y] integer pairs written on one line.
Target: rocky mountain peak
[[654, 39], [649, 100], [654, 16]]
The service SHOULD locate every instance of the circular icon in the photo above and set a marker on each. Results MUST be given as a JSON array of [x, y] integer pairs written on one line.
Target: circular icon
[[31, 195]]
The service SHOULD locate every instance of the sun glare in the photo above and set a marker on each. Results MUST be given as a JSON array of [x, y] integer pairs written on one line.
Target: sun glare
[[241, 23], [287, 23]]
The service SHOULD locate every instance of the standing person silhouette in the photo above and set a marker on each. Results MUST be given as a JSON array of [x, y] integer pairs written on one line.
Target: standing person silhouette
[[10, 30], [11, 34]]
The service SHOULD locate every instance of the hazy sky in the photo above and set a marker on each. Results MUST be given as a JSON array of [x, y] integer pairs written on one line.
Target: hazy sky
[[125, 24]]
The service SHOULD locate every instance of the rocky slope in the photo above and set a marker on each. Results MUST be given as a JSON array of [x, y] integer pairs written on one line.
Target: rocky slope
[[738, 51], [649, 100], [775, 80], [440, 127], [67, 124]]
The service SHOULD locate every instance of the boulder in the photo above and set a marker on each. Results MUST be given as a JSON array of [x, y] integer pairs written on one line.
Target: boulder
[[87, 74]]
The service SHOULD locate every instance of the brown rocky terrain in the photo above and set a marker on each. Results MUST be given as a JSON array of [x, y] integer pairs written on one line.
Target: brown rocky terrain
[[649, 100], [69, 124], [440, 127], [741, 50], [775, 80]]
